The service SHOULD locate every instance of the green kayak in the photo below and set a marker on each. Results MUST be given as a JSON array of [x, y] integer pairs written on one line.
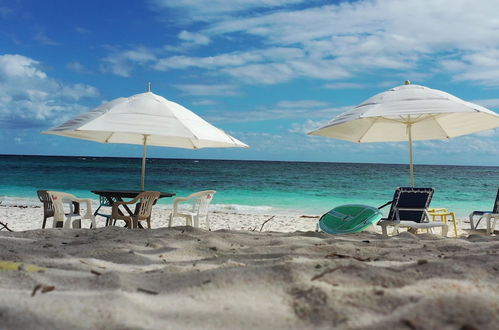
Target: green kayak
[[349, 218]]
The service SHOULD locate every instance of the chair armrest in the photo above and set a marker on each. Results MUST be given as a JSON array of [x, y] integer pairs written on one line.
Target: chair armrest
[[179, 200], [89, 214], [387, 203]]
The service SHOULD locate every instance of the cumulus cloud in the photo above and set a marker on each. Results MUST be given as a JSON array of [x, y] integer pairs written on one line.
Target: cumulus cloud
[[342, 40], [19, 67], [28, 97]]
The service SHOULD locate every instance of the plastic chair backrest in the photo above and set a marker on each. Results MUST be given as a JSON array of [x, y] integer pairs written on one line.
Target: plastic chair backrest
[[205, 202], [48, 207], [145, 202], [57, 198], [103, 201], [410, 197], [202, 200]]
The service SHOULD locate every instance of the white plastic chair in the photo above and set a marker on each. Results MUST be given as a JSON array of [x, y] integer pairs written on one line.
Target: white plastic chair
[[67, 217], [200, 201]]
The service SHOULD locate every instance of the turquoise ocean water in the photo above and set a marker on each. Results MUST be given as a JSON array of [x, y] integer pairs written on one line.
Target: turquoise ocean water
[[250, 186]]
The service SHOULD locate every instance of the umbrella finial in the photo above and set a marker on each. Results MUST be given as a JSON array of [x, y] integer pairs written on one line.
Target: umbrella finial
[[407, 82], [148, 87]]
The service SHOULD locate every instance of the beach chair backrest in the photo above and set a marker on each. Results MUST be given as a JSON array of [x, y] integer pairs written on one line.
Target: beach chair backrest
[[146, 200], [204, 202], [496, 204], [413, 198], [48, 207]]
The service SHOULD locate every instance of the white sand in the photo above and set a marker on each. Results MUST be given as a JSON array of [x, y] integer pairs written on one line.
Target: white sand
[[183, 278]]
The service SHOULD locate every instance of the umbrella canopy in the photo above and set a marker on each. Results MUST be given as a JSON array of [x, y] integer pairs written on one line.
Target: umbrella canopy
[[407, 113], [146, 119]]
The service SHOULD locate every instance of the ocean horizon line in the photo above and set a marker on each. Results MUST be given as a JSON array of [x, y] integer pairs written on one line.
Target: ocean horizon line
[[246, 160]]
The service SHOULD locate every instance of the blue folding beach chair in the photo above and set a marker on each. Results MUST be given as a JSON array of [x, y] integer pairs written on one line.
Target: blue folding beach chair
[[482, 214], [409, 208]]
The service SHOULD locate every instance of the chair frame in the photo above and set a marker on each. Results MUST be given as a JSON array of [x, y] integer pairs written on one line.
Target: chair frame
[[200, 208], [143, 209], [397, 213], [106, 202], [58, 198], [48, 206], [490, 216]]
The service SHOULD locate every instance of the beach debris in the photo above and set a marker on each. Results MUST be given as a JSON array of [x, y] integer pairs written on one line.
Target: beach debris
[[35, 289], [422, 261], [93, 271], [19, 266], [147, 291], [409, 324], [468, 327], [310, 216], [4, 225], [42, 288], [263, 224], [327, 271], [47, 288], [342, 256]]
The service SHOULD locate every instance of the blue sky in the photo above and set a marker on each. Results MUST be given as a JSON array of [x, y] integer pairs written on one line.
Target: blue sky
[[265, 71]]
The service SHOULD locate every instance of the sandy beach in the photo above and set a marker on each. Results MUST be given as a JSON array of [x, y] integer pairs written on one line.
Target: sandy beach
[[235, 277]]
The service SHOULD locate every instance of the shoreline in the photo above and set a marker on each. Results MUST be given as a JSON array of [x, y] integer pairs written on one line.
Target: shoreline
[[21, 217]]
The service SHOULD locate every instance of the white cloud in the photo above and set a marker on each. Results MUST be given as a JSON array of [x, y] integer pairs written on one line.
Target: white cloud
[[309, 109], [307, 126], [82, 30], [193, 38], [28, 97], [301, 104], [120, 62], [43, 39], [77, 91], [228, 60], [204, 102], [488, 103], [202, 90], [77, 67], [217, 9], [346, 39], [18, 66], [344, 85]]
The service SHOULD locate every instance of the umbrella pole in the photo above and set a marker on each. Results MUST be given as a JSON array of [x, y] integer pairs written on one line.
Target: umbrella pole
[[143, 173], [411, 162]]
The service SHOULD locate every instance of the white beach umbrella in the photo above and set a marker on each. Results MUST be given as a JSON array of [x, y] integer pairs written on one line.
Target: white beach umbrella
[[146, 119], [407, 113]]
